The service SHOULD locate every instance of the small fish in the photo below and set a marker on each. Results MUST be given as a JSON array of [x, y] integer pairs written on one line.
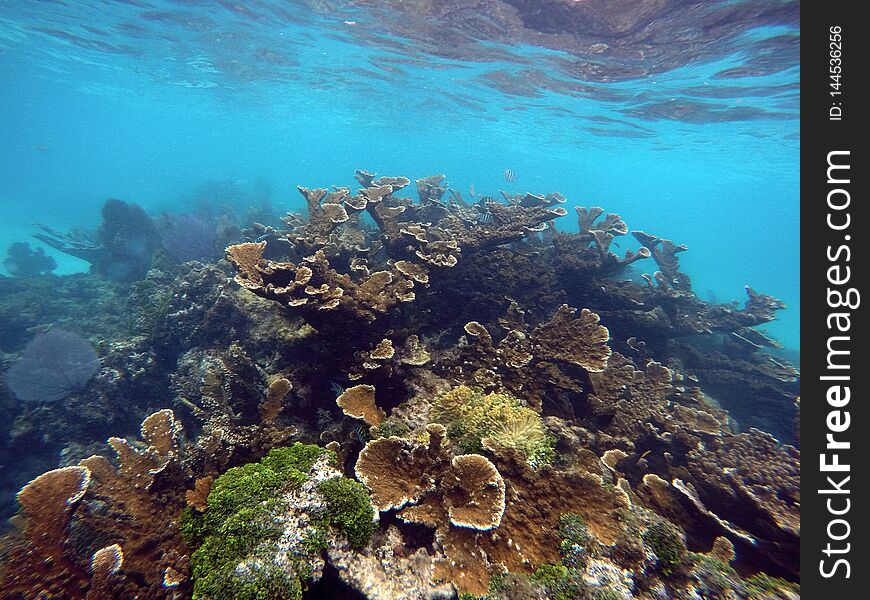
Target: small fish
[[509, 175], [645, 454], [471, 191], [361, 434], [483, 213], [336, 389]]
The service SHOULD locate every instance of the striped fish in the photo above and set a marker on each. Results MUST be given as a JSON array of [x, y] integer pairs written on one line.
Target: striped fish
[[483, 214], [509, 175], [361, 434]]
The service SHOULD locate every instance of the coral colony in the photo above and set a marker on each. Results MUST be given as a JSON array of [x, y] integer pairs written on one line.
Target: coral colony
[[399, 399]]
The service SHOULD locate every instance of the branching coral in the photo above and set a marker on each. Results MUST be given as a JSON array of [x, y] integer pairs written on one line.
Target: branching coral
[[329, 300], [579, 341], [133, 505], [47, 503], [534, 361], [753, 481], [241, 416], [365, 287], [146, 492], [635, 399], [119, 250], [664, 252]]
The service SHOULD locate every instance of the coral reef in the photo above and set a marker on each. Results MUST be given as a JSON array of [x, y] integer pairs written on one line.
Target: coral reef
[[508, 410], [22, 261]]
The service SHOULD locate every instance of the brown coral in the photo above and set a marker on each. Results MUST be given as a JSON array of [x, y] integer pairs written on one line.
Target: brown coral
[[579, 341], [532, 362], [474, 493], [386, 358], [246, 257], [134, 505], [145, 493], [487, 518], [636, 400], [196, 498], [396, 472], [359, 402], [325, 213], [760, 490], [224, 390], [527, 536], [274, 402], [664, 252], [104, 563], [329, 300], [160, 432], [39, 564]]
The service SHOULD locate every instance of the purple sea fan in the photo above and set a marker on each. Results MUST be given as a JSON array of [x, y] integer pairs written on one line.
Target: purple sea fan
[[53, 365], [186, 237]]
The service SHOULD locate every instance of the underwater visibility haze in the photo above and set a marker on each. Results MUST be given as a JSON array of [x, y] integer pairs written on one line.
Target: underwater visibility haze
[[400, 300]]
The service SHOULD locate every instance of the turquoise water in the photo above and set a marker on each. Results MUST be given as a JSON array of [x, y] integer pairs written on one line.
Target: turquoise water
[[693, 135]]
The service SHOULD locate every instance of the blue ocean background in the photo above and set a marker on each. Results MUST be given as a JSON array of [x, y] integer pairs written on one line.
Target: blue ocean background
[[164, 103]]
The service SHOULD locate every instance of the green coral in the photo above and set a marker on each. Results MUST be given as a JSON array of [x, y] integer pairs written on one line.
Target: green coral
[[349, 508], [561, 582], [192, 527], [256, 482], [764, 586], [666, 542], [574, 540], [472, 417], [389, 428], [566, 583], [237, 534]]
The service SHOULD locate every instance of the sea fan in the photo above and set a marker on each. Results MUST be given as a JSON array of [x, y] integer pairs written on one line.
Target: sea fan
[[186, 237], [53, 365]]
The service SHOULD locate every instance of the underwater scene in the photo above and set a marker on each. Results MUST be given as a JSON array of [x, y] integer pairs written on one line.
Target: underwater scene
[[399, 300]]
